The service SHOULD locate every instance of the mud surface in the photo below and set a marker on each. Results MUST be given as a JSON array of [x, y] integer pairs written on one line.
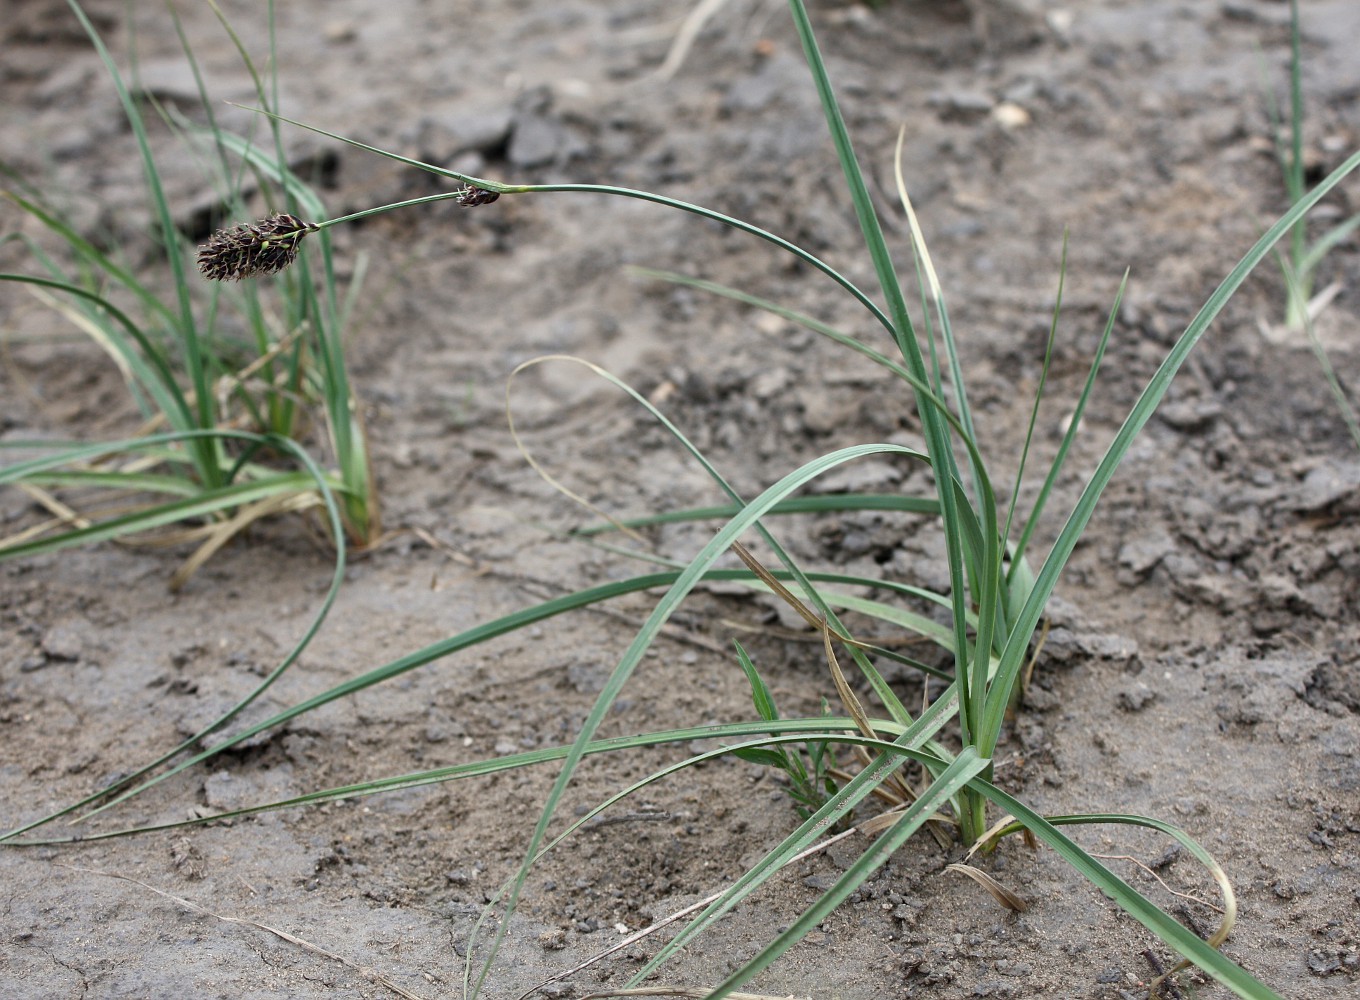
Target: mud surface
[[1202, 666]]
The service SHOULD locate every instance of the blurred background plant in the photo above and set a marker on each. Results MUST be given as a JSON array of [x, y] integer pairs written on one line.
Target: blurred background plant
[[1300, 260], [198, 357]]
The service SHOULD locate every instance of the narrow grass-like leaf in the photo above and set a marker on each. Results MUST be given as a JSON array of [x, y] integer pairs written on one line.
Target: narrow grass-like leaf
[[817, 504], [1343, 403], [796, 729], [760, 691], [135, 482], [694, 452], [317, 482], [838, 805], [436, 651], [1189, 945], [88, 252], [1324, 245], [186, 327], [202, 503], [934, 426], [1018, 553], [149, 367], [648, 196], [982, 553], [684, 583], [964, 768], [1012, 657], [1019, 563]]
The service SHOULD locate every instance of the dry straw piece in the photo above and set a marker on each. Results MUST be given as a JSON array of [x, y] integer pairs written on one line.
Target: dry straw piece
[[266, 247]]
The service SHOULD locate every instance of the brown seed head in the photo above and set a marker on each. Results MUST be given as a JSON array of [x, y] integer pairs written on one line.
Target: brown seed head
[[266, 247]]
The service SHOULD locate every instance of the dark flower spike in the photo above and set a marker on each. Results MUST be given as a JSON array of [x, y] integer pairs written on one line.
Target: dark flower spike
[[471, 197], [266, 247]]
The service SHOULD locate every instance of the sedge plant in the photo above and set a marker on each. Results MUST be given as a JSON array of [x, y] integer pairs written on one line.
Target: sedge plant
[[1300, 260], [197, 360], [994, 605]]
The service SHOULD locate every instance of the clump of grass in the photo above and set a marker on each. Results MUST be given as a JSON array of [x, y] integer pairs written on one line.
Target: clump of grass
[[995, 603], [185, 366], [1301, 259]]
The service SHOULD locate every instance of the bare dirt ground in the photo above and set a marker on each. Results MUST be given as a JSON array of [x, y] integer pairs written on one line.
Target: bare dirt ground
[[1204, 666]]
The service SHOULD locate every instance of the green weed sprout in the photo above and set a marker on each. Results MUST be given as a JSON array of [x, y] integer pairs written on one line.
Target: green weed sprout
[[1301, 259], [811, 783], [1299, 263], [995, 602], [185, 368]]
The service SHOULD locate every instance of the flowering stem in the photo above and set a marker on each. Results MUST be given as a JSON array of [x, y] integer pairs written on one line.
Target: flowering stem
[[499, 188]]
